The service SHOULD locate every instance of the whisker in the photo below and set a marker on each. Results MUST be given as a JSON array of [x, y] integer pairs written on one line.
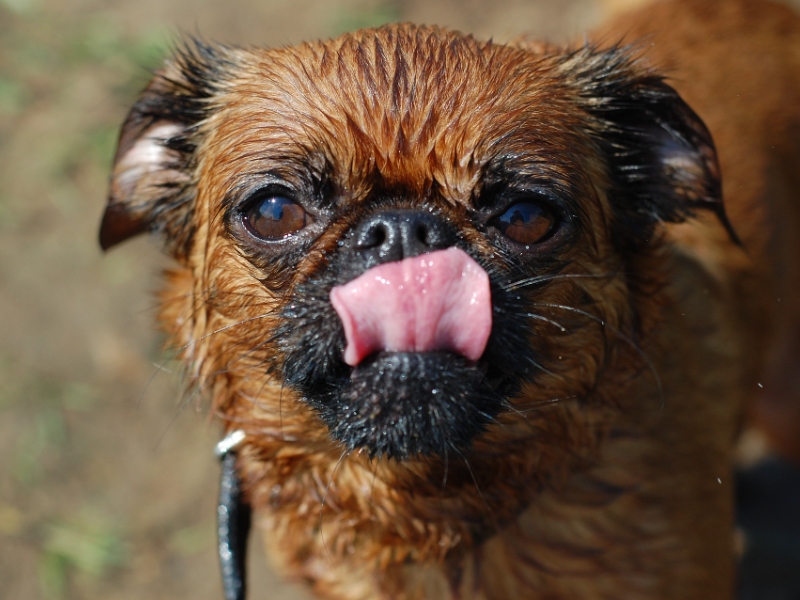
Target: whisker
[[266, 381], [325, 497], [206, 297], [159, 368], [172, 354], [619, 334], [203, 337], [178, 350], [243, 355], [474, 480], [446, 467], [534, 406], [231, 326], [514, 409], [515, 285], [537, 365], [546, 320], [179, 409]]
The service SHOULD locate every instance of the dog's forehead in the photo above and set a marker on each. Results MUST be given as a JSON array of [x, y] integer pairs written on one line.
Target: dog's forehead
[[415, 105]]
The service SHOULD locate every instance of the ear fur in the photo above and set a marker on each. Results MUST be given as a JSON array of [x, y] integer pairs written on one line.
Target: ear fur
[[661, 157], [152, 186]]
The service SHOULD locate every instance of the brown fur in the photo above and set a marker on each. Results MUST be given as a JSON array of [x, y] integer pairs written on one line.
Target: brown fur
[[754, 120], [622, 487]]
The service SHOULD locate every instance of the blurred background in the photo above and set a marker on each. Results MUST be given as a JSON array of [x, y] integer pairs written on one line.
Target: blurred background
[[107, 480]]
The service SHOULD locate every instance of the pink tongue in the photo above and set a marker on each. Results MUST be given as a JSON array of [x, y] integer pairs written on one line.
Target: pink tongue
[[435, 301]]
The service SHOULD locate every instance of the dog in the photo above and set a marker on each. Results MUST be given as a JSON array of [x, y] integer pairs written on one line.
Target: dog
[[479, 310]]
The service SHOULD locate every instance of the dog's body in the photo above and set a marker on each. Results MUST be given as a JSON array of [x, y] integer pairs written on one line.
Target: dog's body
[[587, 452]]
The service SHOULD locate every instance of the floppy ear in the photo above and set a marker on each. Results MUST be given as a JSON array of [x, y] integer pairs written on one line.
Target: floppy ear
[[152, 186], [661, 157]]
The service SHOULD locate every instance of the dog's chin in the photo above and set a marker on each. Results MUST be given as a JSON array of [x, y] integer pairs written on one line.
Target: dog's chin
[[400, 405], [403, 405]]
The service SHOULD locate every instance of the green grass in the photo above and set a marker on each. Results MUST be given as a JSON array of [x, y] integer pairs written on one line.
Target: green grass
[[76, 548], [350, 20]]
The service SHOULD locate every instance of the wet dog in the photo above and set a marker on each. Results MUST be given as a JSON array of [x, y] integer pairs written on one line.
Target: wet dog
[[479, 309]]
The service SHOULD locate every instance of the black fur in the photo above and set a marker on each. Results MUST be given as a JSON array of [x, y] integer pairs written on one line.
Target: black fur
[[642, 124], [402, 405]]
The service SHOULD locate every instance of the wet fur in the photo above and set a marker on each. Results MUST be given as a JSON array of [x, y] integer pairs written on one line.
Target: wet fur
[[596, 464]]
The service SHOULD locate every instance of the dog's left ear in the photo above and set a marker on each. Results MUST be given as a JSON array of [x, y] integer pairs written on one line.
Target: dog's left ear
[[660, 155], [152, 187]]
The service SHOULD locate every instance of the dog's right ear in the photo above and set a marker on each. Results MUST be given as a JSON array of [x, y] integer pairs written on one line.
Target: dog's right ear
[[152, 187]]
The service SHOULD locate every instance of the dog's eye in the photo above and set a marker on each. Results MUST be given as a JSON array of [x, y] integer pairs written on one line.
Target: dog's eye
[[527, 223], [275, 217]]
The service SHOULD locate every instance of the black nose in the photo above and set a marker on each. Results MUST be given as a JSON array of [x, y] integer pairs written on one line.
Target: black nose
[[397, 234]]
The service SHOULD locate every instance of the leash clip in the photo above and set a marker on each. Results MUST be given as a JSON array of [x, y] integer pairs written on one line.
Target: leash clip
[[230, 442]]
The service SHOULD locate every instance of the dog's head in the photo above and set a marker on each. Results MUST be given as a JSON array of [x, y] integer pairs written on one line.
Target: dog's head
[[506, 198]]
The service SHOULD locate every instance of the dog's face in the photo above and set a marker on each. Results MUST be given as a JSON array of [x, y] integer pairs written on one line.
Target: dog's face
[[285, 179]]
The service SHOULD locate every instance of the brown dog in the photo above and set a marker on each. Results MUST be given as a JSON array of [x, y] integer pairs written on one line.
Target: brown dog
[[478, 308]]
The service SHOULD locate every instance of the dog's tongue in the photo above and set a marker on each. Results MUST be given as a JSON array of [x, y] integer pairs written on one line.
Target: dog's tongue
[[435, 301]]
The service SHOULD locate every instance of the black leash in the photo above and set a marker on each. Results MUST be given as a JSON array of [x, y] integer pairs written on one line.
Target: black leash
[[233, 520]]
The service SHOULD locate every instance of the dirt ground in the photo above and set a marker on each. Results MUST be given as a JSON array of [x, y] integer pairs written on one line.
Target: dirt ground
[[107, 481]]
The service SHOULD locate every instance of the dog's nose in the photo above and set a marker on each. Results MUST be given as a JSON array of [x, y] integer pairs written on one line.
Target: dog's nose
[[397, 234]]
